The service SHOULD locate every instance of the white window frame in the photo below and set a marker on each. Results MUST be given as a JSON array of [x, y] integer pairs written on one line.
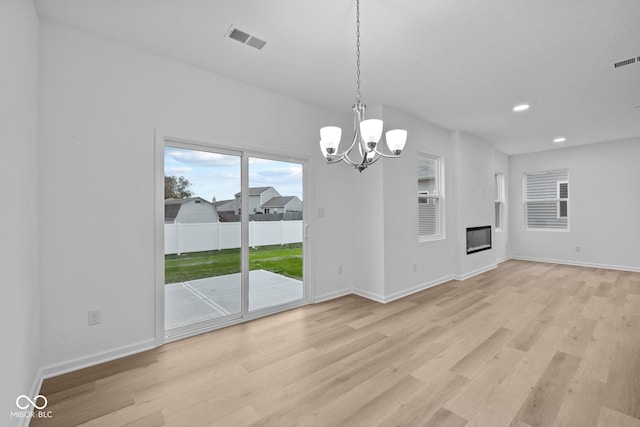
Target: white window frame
[[556, 199], [439, 195], [560, 199], [499, 198]]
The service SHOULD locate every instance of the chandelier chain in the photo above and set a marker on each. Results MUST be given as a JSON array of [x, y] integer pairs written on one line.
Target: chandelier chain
[[358, 50]]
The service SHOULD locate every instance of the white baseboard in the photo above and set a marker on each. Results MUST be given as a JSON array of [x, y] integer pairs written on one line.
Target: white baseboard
[[34, 391], [501, 260], [418, 288], [332, 295], [95, 359], [578, 263], [368, 295], [475, 272], [401, 294]]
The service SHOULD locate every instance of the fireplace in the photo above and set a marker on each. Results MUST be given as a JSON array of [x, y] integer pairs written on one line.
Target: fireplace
[[478, 239]]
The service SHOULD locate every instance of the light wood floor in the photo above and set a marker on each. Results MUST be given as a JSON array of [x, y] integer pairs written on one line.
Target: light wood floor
[[527, 344]]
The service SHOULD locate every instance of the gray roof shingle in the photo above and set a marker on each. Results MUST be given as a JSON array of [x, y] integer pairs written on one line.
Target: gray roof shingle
[[278, 202]]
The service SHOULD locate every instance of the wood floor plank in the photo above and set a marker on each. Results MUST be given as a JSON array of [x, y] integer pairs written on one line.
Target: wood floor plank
[[579, 337], [526, 344], [524, 339], [543, 404], [426, 403], [445, 418], [623, 384], [610, 418], [581, 405], [468, 365]]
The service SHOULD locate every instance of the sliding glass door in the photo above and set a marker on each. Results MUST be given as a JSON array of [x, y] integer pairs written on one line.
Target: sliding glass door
[[276, 233], [233, 236], [202, 237]]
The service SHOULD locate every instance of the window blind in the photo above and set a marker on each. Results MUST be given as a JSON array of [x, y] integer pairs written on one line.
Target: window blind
[[428, 215], [546, 200], [429, 197]]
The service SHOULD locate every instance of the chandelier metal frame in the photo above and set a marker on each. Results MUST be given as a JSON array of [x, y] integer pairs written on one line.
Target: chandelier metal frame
[[372, 129]]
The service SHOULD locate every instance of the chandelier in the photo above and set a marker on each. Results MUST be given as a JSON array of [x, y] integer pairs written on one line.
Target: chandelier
[[366, 133]]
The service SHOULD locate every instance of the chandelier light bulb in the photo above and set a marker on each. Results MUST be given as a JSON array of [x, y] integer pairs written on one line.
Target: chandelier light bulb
[[396, 140], [330, 139], [371, 131]]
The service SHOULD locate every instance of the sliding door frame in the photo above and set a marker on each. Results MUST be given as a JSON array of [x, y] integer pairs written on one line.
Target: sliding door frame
[[163, 140]]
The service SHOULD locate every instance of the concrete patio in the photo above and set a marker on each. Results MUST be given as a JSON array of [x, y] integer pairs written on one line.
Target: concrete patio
[[199, 300]]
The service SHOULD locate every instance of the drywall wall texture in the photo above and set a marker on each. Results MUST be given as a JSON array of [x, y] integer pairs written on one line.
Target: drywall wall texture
[[19, 305], [501, 238], [403, 251], [101, 102], [473, 200], [603, 206]]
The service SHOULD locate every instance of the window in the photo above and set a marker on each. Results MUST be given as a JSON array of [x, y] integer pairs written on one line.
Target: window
[[563, 195], [546, 199], [430, 197], [498, 195]]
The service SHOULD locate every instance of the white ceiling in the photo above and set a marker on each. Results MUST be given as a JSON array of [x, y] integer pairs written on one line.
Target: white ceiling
[[459, 64]]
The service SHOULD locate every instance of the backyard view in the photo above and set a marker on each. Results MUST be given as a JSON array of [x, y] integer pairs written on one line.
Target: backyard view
[[285, 260], [209, 218]]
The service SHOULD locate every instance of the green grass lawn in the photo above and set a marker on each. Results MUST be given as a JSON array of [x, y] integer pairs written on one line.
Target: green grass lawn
[[285, 260]]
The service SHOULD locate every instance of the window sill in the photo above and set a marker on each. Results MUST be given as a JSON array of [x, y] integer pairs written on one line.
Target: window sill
[[424, 239]]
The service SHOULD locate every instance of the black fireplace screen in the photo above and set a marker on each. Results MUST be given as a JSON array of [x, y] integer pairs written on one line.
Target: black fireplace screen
[[478, 239]]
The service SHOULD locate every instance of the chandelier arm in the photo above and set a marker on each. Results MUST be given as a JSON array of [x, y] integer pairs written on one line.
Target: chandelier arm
[[375, 159], [350, 161], [356, 135], [388, 156], [334, 159]]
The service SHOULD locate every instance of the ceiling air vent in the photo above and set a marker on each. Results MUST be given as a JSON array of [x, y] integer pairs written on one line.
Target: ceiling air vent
[[624, 62], [245, 38]]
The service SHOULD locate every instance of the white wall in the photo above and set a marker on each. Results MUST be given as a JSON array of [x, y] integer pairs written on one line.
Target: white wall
[[501, 238], [473, 200], [433, 260], [19, 305], [604, 206], [389, 260], [101, 102]]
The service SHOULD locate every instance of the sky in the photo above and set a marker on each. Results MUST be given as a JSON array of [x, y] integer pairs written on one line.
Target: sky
[[218, 175]]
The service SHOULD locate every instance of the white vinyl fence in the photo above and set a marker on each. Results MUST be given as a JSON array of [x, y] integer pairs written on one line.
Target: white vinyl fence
[[183, 238]]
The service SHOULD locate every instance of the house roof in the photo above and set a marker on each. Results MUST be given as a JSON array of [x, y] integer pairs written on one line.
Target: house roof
[[278, 202], [172, 206], [223, 202], [256, 191], [182, 201]]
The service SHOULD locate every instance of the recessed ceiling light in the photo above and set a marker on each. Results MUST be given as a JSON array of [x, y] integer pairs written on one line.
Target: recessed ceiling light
[[521, 107], [559, 140]]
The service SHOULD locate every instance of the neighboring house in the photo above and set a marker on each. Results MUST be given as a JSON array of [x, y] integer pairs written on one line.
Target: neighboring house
[[225, 206], [189, 211], [282, 205], [257, 197]]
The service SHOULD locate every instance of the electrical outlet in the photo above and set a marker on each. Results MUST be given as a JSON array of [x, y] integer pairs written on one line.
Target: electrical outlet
[[578, 248], [415, 268], [95, 317], [339, 270]]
